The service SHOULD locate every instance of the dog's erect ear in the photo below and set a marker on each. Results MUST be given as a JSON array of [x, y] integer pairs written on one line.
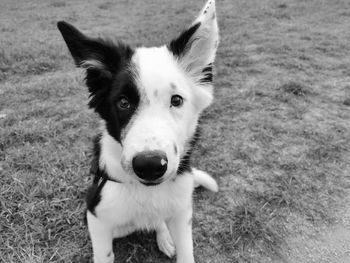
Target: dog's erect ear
[[196, 47], [93, 53]]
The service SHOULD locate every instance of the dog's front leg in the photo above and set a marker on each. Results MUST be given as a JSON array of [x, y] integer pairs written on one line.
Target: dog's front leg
[[101, 238], [180, 227]]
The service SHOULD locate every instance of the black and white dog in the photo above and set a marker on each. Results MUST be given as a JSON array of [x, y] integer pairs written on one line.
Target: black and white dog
[[149, 100]]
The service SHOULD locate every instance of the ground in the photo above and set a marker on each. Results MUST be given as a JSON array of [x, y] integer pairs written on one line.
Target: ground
[[277, 137]]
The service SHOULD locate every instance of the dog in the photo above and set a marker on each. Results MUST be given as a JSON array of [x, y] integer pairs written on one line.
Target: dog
[[149, 100]]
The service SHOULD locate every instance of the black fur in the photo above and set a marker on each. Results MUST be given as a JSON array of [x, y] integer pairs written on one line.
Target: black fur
[[185, 163], [182, 44], [117, 119], [108, 82], [96, 152], [93, 196], [208, 74]]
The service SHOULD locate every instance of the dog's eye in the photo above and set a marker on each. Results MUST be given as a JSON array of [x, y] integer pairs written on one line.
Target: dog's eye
[[176, 100], [123, 103]]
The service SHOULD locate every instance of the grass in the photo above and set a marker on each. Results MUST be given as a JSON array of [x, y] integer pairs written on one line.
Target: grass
[[276, 138]]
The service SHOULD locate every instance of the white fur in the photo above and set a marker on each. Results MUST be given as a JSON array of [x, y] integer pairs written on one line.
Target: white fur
[[125, 208], [167, 207], [204, 179]]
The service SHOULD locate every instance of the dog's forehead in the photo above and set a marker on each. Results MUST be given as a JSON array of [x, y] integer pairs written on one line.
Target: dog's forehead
[[158, 71]]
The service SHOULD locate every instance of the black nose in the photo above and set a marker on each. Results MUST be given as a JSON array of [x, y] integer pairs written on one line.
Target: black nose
[[150, 165]]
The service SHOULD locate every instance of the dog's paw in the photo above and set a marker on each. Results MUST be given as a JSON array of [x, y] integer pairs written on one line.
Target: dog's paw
[[165, 242]]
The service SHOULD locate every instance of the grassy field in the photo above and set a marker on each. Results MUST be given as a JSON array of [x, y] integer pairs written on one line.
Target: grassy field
[[277, 137]]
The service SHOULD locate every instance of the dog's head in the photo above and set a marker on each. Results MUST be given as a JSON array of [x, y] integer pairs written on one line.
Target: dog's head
[[150, 98]]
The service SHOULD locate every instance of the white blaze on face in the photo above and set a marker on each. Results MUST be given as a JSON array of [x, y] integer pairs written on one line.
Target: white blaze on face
[[157, 125]]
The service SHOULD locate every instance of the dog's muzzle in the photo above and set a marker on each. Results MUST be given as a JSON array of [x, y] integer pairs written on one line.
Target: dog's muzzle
[[150, 166]]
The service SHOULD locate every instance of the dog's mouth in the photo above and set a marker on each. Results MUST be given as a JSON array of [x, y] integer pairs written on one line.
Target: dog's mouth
[[151, 183]]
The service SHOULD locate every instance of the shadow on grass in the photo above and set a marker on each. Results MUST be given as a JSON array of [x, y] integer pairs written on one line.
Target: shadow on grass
[[138, 247], [295, 88]]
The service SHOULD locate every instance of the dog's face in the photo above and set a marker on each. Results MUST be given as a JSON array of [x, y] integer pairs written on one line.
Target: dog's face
[[150, 98]]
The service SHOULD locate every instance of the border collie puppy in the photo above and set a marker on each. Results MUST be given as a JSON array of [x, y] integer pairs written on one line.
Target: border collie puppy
[[149, 100]]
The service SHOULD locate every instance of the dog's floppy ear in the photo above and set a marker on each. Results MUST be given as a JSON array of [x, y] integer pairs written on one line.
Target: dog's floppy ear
[[86, 52], [99, 57], [196, 47], [94, 54]]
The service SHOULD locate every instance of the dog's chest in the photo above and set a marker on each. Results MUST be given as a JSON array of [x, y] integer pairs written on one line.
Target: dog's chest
[[144, 207]]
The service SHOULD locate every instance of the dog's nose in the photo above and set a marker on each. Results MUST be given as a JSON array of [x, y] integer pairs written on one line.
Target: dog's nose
[[150, 165]]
